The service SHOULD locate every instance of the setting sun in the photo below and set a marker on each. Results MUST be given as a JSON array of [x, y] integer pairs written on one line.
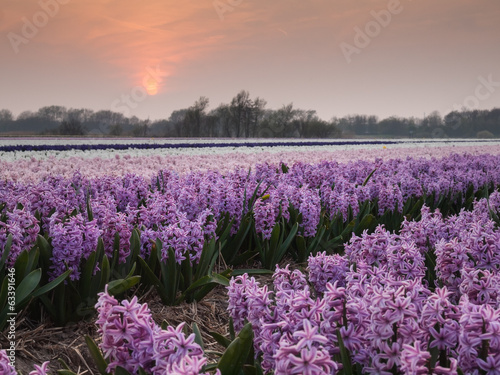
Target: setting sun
[[151, 86]]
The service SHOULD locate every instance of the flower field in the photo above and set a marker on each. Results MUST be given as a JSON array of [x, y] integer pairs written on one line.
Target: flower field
[[384, 258]]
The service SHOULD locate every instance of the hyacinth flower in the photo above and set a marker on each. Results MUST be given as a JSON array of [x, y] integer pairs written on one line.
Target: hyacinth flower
[[324, 269], [267, 211], [72, 241], [24, 228], [388, 318], [286, 323], [120, 203], [132, 340], [7, 369]]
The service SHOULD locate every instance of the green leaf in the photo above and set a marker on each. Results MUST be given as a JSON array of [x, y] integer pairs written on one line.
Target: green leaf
[[27, 285], [135, 247], [275, 239], [4, 291], [369, 176], [53, 284], [209, 279], [49, 306], [116, 253], [197, 336], [232, 333], [86, 276], [21, 265], [33, 256], [367, 223], [105, 272], [170, 275], [63, 364], [300, 242], [344, 355], [251, 271], [153, 280], [121, 371], [117, 287], [45, 252], [90, 214], [237, 352], [233, 246], [6, 251], [3, 317], [96, 354], [221, 340], [286, 244], [207, 259], [244, 257]]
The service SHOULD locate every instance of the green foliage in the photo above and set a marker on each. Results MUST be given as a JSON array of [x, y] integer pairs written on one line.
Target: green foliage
[[237, 353], [273, 250], [21, 283], [176, 282], [74, 300]]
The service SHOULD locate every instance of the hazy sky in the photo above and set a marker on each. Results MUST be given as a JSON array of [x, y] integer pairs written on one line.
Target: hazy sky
[[339, 57]]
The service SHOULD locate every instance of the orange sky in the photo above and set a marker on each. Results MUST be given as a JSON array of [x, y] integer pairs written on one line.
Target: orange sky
[[91, 53]]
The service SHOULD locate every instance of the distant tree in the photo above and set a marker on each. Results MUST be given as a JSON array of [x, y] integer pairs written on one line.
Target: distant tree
[[26, 115], [6, 120], [177, 122], [240, 107], [6, 115], [71, 127], [393, 126], [102, 121], [54, 113], [281, 122], [116, 130], [255, 116], [485, 134], [141, 130], [194, 117], [79, 114], [221, 118]]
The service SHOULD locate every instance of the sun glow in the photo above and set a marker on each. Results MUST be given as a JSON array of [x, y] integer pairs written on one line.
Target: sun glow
[[151, 86]]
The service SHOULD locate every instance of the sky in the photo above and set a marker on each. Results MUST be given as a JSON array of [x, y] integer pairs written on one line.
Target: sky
[[338, 57]]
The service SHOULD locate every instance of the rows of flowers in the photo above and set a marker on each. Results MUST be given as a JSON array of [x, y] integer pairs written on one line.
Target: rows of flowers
[[423, 301], [13, 145], [169, 206], [80, 233], [124, 146], [35, 166], [384, 307]]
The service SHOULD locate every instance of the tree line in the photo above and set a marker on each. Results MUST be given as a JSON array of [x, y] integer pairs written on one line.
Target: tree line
[[246, 117]]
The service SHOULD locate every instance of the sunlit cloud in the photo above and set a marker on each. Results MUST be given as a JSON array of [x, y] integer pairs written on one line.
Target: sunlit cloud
[[108, 47]]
